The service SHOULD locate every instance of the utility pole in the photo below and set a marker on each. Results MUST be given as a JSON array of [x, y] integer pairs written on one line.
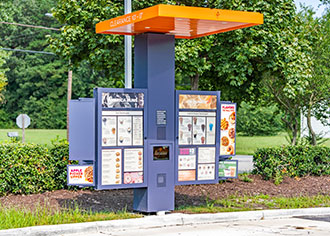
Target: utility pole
[[128, 50], [68, 100]]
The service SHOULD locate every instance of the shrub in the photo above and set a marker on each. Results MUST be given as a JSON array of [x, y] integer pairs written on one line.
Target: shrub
[[31, 168], [258, 120], [293, 161], [60, 159]]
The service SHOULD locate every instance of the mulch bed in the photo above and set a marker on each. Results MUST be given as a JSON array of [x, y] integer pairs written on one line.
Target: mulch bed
[[193, 195]]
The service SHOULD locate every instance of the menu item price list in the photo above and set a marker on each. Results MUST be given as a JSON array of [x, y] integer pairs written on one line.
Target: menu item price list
[[133, 160], [206, 163], [111, 166]]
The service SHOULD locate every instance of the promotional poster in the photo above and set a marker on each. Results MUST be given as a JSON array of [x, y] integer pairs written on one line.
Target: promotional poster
[[228, 129]]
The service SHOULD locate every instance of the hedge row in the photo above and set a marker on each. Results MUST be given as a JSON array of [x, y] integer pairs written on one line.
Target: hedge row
[[293, 161], [31, 168]]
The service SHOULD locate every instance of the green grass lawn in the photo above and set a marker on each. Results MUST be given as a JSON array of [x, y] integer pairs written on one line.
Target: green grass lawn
[[245, 145], [40, 136], [257, 202]]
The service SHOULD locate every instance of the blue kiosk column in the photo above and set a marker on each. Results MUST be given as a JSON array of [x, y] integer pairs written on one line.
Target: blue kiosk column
[[154, 70]]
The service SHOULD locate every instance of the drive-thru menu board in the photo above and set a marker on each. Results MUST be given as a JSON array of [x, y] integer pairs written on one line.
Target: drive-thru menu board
[[197, 119], [228, 129], [122, 138]]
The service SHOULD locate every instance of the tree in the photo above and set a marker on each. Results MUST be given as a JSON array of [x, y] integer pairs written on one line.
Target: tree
[[287, 87], [317, 98]]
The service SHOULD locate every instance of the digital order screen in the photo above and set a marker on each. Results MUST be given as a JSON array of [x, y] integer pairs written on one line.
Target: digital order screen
[[161, 153]]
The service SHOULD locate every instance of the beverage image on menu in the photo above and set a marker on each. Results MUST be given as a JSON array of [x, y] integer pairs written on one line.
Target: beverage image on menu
[[124, 130], [199, 126], [210, 130], [185, 130], [111, 166], [109, 131]]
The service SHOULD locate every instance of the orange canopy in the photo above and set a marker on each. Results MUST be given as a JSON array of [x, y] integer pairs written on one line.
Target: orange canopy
[[181, 21]]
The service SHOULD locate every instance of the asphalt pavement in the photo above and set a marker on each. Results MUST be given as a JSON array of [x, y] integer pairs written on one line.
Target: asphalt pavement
[[245, 163]]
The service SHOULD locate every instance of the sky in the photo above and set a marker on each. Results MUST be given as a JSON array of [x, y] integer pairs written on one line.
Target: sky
[[314, 3]]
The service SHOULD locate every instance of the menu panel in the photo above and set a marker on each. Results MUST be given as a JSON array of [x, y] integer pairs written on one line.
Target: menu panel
[[210, 130], [228, 130], [197, 128], [187, 175], [82, 175], [187, 158], [206, 155], [206, 172], [185, 130], [133, 178], [109, 131], [122, 128], [228, 169], [125, 130], [137, 130], [133, 159], [111, 166]]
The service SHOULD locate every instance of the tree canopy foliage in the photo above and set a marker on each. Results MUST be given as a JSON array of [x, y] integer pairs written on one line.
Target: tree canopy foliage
[[279, 62], [36, 82]]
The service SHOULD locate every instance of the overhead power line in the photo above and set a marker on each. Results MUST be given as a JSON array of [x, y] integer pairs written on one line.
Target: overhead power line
[[31, 26], [27, 51]]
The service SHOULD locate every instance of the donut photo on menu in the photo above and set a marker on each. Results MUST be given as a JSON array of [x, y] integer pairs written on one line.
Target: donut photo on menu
[[232, 118], [224, 141], [231, 133], [230, 150]]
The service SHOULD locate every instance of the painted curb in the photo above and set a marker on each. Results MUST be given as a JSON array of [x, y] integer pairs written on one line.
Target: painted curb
[[161, 221]]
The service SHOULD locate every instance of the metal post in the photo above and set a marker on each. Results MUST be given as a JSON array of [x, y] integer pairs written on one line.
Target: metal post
[[128, 50], [23, 129]]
